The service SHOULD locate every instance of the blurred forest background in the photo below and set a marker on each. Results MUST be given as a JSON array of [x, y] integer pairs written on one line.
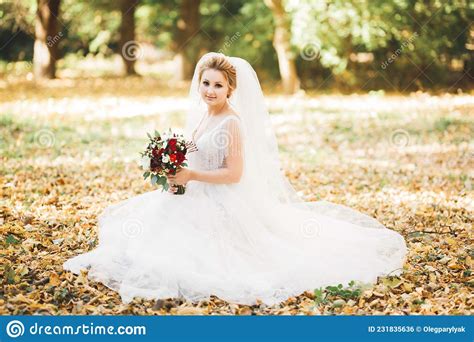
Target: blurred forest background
[[343, 45], [371, 100]]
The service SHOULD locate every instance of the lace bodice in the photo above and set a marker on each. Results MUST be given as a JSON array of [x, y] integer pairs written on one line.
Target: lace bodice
[[222, 137]]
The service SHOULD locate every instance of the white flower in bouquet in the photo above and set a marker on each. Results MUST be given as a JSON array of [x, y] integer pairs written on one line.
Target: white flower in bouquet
[[145, 163]]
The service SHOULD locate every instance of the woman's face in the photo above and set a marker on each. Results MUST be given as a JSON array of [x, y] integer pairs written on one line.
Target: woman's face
[[213, 87]]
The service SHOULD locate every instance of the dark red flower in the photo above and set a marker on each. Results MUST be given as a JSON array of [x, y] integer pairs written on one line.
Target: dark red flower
[[157, 152], [155, 165], [172, 144], [180, 157]]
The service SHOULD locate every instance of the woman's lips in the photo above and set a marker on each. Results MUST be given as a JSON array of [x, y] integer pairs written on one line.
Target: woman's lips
[[210, 98]]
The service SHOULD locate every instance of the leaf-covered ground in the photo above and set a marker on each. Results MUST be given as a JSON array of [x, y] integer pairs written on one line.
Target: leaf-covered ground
[[69, 149]]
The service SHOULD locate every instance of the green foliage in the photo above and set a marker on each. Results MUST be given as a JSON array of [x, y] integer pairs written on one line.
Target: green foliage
[[91, 27], [16, 29], [394, 44], [157, 21], [352, 291], [245, 29], [11, 240], [426, 38]]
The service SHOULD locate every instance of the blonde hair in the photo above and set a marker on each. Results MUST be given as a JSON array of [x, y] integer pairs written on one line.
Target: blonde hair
[[222, 64]]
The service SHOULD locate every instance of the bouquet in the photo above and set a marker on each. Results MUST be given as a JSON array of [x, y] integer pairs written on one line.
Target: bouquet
[[165, 155]]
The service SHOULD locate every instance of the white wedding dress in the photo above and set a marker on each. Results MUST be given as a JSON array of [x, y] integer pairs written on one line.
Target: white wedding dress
[[225, 240]]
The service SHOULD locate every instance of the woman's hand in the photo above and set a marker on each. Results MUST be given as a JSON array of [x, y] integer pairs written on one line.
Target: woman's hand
[[183, 176], [172, 189]]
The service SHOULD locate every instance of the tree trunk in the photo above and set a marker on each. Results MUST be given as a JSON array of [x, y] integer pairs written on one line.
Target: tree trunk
[[47, 39], [130, 50], [282, 45], [187, 42]]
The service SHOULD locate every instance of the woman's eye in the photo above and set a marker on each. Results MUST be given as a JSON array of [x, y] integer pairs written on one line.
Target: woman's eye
[[218, 86], [205, 83]]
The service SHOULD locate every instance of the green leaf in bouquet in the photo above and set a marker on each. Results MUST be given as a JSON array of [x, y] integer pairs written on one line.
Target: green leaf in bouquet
[[149, 136], [166, 187], [162, 180], [146, 174], [157, 134], [154, 179]]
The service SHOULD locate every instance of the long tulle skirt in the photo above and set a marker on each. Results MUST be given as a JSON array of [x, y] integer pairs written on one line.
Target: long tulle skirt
[[210, 241]]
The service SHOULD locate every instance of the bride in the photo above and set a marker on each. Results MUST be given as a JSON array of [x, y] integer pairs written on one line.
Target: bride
[[239, 232]]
